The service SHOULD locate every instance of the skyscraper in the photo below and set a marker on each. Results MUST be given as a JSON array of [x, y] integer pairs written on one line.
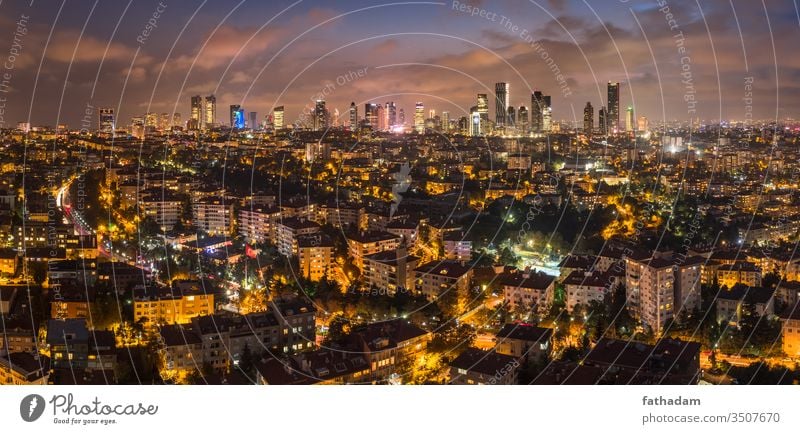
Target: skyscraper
[[547, 114], [511, 117], [383, 117], [211, 111], [523, 121], [445, 122], [371, 115], [176, 119], [236, 116], [475, 122], [391, 111], [353, 116], [483, 106], [630, 123], [501, 92], [106, 120], [537, 111], [401, 117], [277, 118], [588, 118], [196, 119], [642, 125], [419, 118], [253, 120], [320, 116], [612, 113], [602, 121]]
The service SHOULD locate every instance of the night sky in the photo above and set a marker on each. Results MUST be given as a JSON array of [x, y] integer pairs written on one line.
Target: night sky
[[261, 54]]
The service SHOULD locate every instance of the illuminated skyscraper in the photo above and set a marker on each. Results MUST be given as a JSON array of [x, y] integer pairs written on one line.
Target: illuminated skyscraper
[[511, 117], [547, 114], [383, 117], [501, 91], [196, 119], [106, 120], [253, 121], [211, 111], [537, 112], [320, 116], [277, 117], [445, 122], [612, 113], [523, 121], [642, 125], [588, 118], [353, 117], [235, 117], [371, 115], [419, 118], [151, 120], [163, 121], [602, 121], [483, 106], [630, 124], [475, 122], [176, 120], [391, 112]]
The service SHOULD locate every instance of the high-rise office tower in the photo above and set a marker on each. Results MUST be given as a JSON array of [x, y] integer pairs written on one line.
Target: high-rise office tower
[[106, 120], [511, 117], [642, 124], [383, 117], [211, 111], [401, 117], [277, 118], [445, 122], [391, 112], [537, 111], [475, 122], [320, 116], [196, 116], [163, 121], [371, 115], [501, 92], [547, 114], [419, 118], [236, 116], [602, 121], [483, 106], [353, 117], [150, 120], [612, 112], [588, 118], [523, 120], [630, 124], [253, 120], [137, 127], [176, 120]]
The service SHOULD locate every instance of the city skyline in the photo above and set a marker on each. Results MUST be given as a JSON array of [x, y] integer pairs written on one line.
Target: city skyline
[[235, 59]]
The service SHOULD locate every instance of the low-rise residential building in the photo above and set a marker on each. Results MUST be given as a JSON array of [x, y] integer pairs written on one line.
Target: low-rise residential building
[[436, 278], [528, 289], [24, 369], [475, 366], [390, 271], [157, 305], [583, 288], [746, 273], [731, 303], [290, 230], [362, 244], [524, 341]]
